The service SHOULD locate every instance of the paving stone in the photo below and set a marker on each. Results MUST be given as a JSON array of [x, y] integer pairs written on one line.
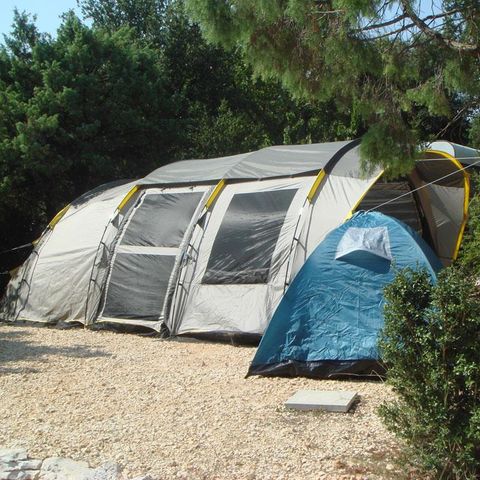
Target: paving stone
[[330, 401], [29, 464], [107, 471], [12, 455], [19, 475], [15, 465], [56, 468]]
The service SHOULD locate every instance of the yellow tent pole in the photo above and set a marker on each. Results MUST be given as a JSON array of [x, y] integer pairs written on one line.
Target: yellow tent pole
[[216, 192], [315, 186], [58, 217], [128, 196], [352, 211]]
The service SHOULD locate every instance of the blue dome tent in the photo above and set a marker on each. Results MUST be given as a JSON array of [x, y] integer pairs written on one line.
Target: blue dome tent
[[327, 323]]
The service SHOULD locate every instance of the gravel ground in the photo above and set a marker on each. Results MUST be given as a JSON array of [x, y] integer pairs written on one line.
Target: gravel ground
[[178, 409]]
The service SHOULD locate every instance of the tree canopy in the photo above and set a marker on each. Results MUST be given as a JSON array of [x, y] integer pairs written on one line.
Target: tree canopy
[[82, 109], [392, 64], [141, 87], [137, 89], [224, 108]]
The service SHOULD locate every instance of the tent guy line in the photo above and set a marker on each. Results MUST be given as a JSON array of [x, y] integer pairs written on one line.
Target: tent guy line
[[426, 185]]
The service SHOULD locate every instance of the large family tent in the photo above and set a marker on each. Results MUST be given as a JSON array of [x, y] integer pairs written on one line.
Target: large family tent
[[209, 247], [327, 323]]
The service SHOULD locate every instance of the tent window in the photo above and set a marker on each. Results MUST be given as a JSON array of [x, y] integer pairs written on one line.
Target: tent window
[[161, 219], [138, 286], [245, 242]]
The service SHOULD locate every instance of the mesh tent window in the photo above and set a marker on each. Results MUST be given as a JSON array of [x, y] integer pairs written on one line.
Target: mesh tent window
[[245, 242]]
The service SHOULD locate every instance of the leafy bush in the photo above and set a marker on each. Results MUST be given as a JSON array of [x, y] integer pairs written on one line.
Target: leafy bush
[[469, 259], [431, 343]]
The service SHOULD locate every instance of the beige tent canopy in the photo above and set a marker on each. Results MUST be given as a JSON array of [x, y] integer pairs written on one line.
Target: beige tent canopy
[[210, 246]]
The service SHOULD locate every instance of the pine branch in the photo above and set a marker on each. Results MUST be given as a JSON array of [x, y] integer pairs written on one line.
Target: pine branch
[[434, 34]]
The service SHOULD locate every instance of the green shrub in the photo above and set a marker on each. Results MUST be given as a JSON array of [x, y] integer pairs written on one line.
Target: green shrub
[[469, 258], [431, 344]]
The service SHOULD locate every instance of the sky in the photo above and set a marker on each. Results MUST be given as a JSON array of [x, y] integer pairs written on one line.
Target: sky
[[48, 13]]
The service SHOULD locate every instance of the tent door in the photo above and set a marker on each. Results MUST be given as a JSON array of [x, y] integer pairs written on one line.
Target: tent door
[[147, 254]]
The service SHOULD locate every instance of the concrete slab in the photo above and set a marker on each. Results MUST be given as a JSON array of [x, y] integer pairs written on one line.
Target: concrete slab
[[330, 401]]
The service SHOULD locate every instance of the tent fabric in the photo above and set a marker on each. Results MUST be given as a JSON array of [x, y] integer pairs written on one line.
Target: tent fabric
[[210, 246], [373, 240], [137, 286], [270, 162], [328, 321], [465, 155], [243, 247], [447, 217], [147, 253], [394, 199], [53, 284], [443, 192], [239, 271], [340, 192]]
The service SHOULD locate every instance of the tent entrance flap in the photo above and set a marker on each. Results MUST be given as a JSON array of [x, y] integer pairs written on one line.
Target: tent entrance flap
[[147, 253], [138, 286]]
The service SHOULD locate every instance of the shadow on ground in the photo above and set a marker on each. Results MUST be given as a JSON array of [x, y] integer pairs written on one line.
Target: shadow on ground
[[16, 346]]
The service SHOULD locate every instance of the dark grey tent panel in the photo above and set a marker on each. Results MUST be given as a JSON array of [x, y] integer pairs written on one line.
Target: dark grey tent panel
[[138, 286], [270, 162], [395, 200], [161, 220]]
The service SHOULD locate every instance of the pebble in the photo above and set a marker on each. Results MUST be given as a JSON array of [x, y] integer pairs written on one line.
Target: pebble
[[166, 409]]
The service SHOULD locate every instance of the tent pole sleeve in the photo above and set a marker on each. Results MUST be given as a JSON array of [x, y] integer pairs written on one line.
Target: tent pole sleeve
[[466, 197], [58, 217], [216, 192], [319, 179], [315, 186], [352, 211], [128, 196], [310, 197]]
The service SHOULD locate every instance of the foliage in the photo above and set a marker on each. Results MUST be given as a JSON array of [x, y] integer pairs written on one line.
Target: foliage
[[469, 255], [76, 111], [145, 17], [221, 107], [136, 90], [430, 344], [405, 76]]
